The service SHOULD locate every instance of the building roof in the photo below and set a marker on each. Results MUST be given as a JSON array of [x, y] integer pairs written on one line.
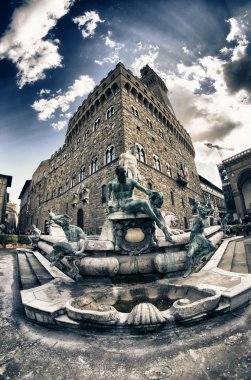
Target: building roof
[[210, 184], [26, 185], [238, 157], [9, 179]]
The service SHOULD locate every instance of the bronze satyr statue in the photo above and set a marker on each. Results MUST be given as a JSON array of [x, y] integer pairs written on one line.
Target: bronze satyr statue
[[122, 188], [198, 245], [76, 237]]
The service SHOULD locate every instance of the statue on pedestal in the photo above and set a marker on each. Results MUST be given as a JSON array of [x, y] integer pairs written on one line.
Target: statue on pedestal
[[198, 245], [129, 162], [73, 250], [122, 188]]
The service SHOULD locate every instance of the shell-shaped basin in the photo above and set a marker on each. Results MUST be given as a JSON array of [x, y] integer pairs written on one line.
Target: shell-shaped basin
[[145, 314]]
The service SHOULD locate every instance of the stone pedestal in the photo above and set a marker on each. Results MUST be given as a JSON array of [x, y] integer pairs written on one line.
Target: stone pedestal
[[132, 233]]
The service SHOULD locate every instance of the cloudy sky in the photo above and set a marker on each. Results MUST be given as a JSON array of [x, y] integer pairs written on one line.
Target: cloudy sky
[[53, 53]]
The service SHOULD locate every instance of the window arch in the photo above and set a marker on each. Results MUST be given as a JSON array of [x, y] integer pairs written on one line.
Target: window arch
[[169, 170], [109, 112], [110, 154], [149, 123], [157, 163], [140, 153], [135, 111], [103, 194], [94, 165], [96, 125], [73, 180], [82, 174], [80, 218], [87, 135]]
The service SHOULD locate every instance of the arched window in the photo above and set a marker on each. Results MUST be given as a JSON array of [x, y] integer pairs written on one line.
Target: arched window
[[140, 153], [87, 135], [110, 155], [157, 163], [80, 218], [103, 194], [73, 180], [169, 171], [96, 124], [94, 165], [82, 174], [135, 111], [149, 123], [161, 133], [109, 112]]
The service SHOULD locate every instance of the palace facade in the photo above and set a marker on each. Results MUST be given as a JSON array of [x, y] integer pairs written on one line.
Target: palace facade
[[122, 110]]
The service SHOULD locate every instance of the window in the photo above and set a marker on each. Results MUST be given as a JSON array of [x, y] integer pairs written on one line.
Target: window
[[172, 198], [109, 112], [96, 124], [53, 195], [157, 163], [169, 171], [161, 134], [149, 123], [87, 135], [60, 190], [78, 142], [67, 185], [103, 194], [135, 111], [183, 202], [140, 153], [110, 155], [73, 180], [82, 174], [94, 165]]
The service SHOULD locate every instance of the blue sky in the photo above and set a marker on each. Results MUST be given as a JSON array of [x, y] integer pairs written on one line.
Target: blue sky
[[53, 53]]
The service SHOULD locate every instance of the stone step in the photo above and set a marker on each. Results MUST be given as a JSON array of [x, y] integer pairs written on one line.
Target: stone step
[[239, 263], [41, 273], [227, 258], [248, 253], [27, 277]]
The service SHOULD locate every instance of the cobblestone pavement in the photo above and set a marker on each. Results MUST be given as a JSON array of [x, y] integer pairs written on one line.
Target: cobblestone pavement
[[218, 348]]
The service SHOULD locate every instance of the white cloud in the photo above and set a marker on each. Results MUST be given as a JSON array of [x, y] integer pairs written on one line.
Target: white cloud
[[148, 58], [115, 47], [238, 30], [44, 91], [88, 23], [24, 42], [185, 50], [59, 125], [46, 108]]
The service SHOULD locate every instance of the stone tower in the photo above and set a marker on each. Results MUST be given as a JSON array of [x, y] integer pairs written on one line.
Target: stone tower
[[156, 85]]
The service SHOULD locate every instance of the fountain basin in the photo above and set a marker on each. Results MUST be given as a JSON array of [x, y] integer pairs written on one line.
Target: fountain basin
[[153, 304]]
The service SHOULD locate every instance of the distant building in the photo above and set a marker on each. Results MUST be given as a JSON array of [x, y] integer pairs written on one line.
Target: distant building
[[123, 110], [11, 218], [236, 179], [24, 207], [213, 194], [5, 182]]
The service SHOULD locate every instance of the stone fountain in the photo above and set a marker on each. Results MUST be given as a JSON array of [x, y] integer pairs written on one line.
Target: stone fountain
[[140, 274]]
